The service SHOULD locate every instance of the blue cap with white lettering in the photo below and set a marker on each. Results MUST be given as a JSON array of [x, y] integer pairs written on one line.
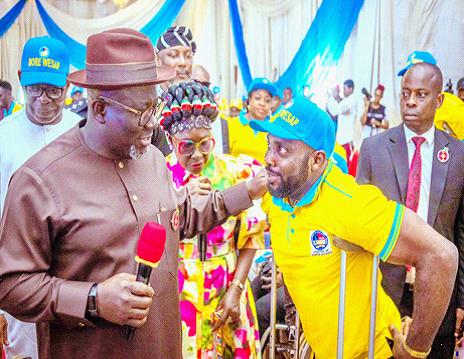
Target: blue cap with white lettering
[[300, 119], [44, 61]]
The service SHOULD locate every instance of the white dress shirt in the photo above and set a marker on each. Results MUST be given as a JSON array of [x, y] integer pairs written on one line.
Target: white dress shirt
[[19, 140], [427, 160], [346, 110]]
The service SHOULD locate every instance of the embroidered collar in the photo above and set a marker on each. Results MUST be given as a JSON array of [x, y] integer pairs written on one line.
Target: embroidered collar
[[308, 197]]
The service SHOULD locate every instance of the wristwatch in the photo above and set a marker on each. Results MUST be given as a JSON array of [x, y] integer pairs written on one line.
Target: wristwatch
[[92, 310]]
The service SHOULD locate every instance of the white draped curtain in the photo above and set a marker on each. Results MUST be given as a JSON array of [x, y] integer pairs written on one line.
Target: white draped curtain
[[273, 31], [134, 16], [386, 33]]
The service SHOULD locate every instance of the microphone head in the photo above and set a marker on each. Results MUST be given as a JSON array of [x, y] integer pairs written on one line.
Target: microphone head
[[151, 244]]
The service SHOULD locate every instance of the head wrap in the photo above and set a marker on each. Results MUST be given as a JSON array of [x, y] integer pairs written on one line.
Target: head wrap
[[176, 36]]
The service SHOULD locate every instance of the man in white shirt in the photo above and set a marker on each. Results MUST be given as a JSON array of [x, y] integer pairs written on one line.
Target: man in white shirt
[[346, 110], [422, 167], [43, 76]]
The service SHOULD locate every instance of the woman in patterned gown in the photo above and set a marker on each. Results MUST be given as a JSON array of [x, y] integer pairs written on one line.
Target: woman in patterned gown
[[219, 283]]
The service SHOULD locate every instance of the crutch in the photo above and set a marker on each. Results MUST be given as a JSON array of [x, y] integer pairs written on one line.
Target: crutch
[[297, 335], [294, 331], [273, 320], [341, 308]]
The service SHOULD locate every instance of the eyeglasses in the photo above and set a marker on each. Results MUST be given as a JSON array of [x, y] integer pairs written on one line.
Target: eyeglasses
[[187, 147], [51, 91], [144, 116]]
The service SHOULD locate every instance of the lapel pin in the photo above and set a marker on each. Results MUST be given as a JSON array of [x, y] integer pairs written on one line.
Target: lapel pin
[[175, 220], [443, 155]]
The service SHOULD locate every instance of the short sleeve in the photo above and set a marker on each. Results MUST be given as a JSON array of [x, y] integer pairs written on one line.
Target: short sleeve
[[374, 223]]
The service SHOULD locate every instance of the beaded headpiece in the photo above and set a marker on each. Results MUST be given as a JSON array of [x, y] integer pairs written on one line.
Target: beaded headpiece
[[189, 105]]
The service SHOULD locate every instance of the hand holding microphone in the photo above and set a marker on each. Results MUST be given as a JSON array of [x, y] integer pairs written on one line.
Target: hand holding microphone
[[123, 300], [149, 252]]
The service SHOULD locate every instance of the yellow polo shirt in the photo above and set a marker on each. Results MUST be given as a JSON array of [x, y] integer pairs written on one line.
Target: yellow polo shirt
[[244, 140], [13, 108], [302, 241], [451, 113]]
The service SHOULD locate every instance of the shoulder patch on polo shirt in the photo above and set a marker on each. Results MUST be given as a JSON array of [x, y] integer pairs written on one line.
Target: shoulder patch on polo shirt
[[320, 243]]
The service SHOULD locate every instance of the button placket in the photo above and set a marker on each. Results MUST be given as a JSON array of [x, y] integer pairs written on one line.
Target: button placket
[[292, 216]]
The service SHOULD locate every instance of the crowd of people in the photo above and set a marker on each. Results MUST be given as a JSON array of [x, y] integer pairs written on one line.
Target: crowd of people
[[136, 142]]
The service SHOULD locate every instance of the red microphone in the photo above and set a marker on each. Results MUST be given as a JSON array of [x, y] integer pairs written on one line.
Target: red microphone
[[149, 252]]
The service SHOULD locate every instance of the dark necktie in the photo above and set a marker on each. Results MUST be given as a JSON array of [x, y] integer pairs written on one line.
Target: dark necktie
[[415, 173]]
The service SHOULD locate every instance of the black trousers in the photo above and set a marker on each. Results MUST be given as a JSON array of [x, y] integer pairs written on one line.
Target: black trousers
[[263, 305]]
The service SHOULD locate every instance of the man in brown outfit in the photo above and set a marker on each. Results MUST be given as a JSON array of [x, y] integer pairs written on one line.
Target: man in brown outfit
[[75, 210]]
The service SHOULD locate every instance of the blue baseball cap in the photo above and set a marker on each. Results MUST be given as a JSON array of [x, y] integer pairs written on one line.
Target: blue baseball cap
[[44, 60], [76, 89], [264, 84], [416, 57], [300, 119]]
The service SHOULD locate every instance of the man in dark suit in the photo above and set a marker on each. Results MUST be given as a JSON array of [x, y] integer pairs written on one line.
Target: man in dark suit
[[422, 167]]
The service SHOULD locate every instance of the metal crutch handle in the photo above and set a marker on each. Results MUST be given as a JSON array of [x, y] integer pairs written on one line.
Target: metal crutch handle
[[341, 306], [273, 320], [375, 278], [297, 335]]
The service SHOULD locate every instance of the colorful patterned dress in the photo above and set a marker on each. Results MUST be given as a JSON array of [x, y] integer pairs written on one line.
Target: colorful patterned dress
[[203, 284]]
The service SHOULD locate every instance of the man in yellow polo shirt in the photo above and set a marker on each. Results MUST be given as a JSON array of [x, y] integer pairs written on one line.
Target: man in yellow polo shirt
[[7, 104], [313, 201]]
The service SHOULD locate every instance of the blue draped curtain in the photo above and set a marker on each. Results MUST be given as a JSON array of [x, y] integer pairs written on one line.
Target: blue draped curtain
[[162, 20], [239, 43], [322, 46], [10, 17], [77, 52]]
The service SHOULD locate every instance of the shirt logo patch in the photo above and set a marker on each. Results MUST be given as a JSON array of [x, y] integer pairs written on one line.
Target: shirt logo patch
[[320, 243]]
